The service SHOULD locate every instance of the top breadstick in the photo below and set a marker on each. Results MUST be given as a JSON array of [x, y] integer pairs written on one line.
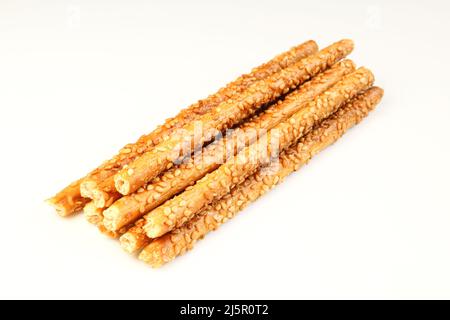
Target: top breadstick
[[227, 114], [69, 200]]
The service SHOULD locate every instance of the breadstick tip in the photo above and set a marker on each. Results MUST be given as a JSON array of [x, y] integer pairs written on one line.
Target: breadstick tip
[[378, 91], [122, 186], [59, 208], [152, 229], [109, 218], [127, 243], [348, 42], [86, 188]]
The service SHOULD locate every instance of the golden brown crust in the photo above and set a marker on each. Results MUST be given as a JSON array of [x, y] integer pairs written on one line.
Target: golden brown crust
[[180, 209], [178, 241], [135, 238], [105, 189], [104, 194], [129, 208], [226, 114], [93, 214], [70, 199]]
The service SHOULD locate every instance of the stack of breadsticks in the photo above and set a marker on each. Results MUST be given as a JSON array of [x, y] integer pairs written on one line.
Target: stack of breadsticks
[[162, 193]]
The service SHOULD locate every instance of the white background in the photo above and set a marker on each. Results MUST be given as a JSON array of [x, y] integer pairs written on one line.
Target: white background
[[367, 218]]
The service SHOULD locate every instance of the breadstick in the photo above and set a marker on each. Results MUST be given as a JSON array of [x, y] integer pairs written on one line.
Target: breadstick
[[178, 241], [93, 214], [129, 208], [135, 238], [103, 194], [180, 209], [227, 114], [70, 200]]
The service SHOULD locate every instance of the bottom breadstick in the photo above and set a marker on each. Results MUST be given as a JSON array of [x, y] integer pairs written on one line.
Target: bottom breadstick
[[178, 241]]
